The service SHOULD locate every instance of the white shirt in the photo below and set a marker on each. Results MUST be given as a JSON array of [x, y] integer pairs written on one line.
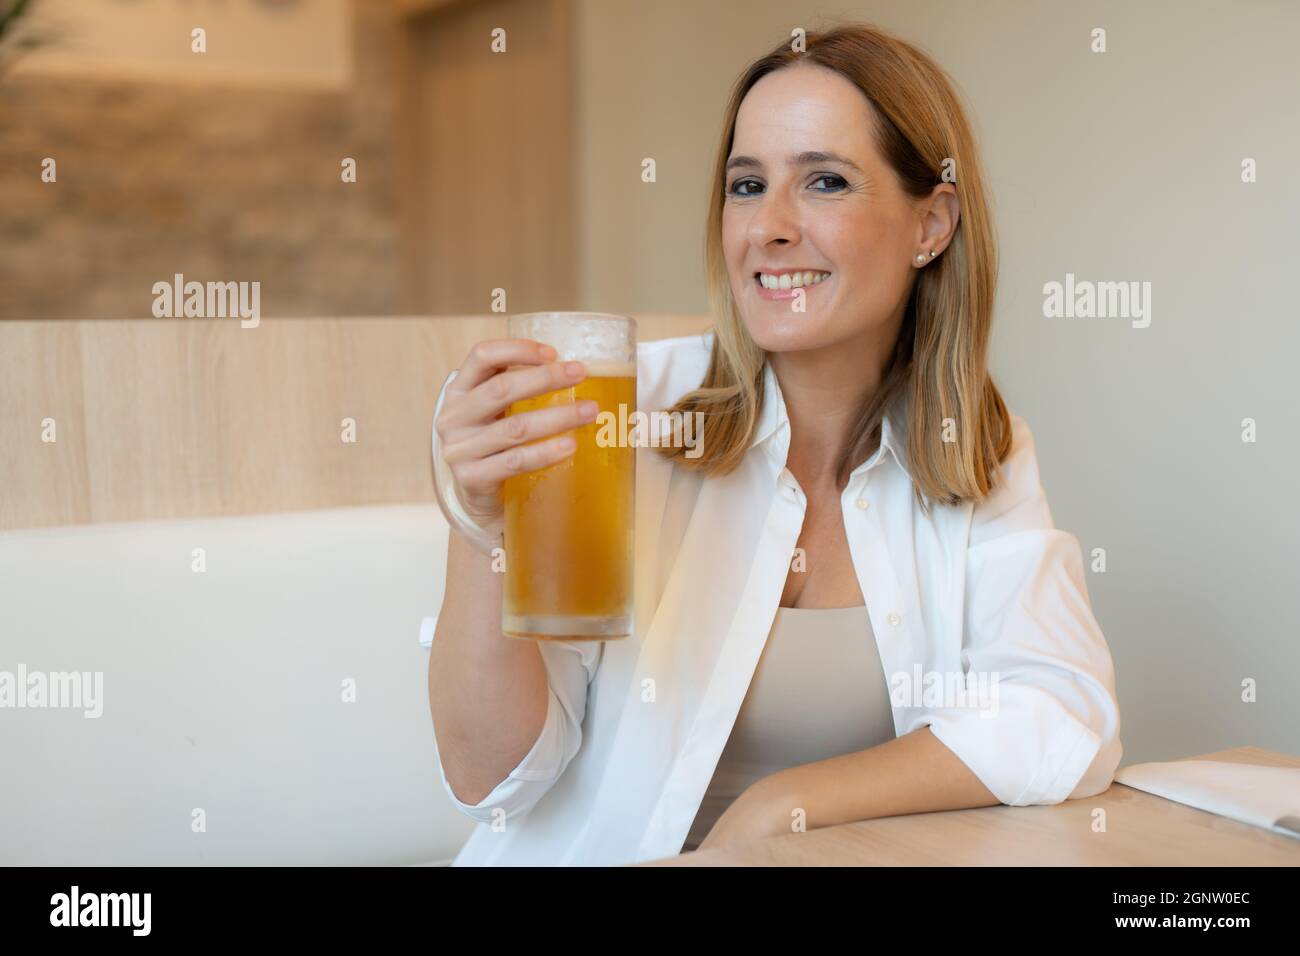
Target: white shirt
[[634, 728]]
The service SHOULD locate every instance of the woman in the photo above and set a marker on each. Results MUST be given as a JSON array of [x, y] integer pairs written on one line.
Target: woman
[[866, 522]]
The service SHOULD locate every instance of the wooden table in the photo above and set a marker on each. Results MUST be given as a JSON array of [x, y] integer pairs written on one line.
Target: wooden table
[[1141, 830]]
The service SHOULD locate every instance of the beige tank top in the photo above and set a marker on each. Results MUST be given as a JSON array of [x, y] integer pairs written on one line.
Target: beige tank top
[[818, 691]]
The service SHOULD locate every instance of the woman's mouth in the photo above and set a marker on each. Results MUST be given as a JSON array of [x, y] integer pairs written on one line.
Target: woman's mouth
[[785, 285]]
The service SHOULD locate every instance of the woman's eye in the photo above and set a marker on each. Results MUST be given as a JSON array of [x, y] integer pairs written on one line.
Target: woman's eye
[[735, 187], [834, 179]]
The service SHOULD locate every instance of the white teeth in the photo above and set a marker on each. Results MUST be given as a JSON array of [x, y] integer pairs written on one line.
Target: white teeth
[[791, 280]]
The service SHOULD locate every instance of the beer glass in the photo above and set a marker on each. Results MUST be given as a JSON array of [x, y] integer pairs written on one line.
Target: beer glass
[[568, 527]]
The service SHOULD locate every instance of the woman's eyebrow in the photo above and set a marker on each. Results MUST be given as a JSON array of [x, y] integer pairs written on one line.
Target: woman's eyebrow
[[806, 158]]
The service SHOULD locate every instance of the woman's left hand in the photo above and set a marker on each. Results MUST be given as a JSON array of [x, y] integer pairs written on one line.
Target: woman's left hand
[[763, 810]]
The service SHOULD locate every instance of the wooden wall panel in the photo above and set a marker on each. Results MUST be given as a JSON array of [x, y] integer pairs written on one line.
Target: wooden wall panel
[[184, 418], [40, 378], [486, 157]]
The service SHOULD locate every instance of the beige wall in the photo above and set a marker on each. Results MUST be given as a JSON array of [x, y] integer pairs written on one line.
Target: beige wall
[[1116, 167]]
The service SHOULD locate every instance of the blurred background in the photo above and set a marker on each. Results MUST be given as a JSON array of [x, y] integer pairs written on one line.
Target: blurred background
[[128, 441]]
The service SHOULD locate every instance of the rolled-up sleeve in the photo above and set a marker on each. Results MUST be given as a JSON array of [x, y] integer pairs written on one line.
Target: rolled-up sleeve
[[1029, 630], [569, 669]]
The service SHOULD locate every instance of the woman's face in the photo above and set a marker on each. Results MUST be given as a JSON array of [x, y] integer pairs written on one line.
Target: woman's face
[[818, 215]]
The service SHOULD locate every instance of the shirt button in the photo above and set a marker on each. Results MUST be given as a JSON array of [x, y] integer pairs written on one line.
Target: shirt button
[[894, 620], [862, 504]]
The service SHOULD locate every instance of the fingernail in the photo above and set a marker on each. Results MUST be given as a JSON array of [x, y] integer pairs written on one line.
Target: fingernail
[[587, 408], [573, 369], [548, 354]]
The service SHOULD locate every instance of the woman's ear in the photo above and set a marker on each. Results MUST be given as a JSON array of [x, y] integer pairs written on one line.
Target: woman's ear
[[940, 212]]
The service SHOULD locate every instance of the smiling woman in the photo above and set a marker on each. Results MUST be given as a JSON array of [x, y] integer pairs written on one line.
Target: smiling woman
[[794, 576], [849, 239]]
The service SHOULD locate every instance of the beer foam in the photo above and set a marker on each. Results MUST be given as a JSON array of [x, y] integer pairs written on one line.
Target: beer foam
[[577, 335]]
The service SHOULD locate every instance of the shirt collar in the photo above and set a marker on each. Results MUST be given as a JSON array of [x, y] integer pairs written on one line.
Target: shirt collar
[[772, 419]]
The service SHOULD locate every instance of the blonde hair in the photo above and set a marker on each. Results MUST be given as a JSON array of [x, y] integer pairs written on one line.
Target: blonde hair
[[938, 368]]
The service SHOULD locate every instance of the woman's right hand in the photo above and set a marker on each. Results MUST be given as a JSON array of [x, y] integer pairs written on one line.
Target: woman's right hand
[[482, 445]]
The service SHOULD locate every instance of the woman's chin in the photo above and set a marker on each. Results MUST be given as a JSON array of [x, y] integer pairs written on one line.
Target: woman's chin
[[791, 333]]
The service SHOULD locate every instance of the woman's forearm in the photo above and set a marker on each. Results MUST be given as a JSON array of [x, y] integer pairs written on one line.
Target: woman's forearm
[[914, 773], [487, 692]]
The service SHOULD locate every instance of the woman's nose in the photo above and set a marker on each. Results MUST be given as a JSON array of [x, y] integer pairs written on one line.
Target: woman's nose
[[775, 218]]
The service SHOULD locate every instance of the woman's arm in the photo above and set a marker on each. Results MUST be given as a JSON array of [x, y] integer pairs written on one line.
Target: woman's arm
[[490, 695], [487, 692], [914, 773]]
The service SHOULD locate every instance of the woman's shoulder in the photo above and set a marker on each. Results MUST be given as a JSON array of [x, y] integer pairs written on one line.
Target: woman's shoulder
[[669, 368], [1018, 501]]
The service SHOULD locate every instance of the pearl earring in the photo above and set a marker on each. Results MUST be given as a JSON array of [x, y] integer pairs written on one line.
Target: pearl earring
[[920, 258]]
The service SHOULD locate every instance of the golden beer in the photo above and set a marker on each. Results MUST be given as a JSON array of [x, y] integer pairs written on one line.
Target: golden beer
[[569, 527]]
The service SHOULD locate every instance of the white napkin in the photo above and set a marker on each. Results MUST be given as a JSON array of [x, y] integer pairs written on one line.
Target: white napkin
[[1267, 797]]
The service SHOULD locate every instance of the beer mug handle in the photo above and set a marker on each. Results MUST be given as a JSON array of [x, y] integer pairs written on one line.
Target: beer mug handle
[[444, 486]]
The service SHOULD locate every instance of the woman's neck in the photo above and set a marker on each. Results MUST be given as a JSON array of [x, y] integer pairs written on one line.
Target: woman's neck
[[824, 391]]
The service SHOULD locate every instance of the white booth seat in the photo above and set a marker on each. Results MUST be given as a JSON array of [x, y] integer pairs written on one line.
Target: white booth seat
[[264, 695]]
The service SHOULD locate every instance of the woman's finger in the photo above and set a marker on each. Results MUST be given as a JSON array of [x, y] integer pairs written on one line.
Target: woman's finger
[[520, 429], [494, 397], [484, 477], [491, 355]]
